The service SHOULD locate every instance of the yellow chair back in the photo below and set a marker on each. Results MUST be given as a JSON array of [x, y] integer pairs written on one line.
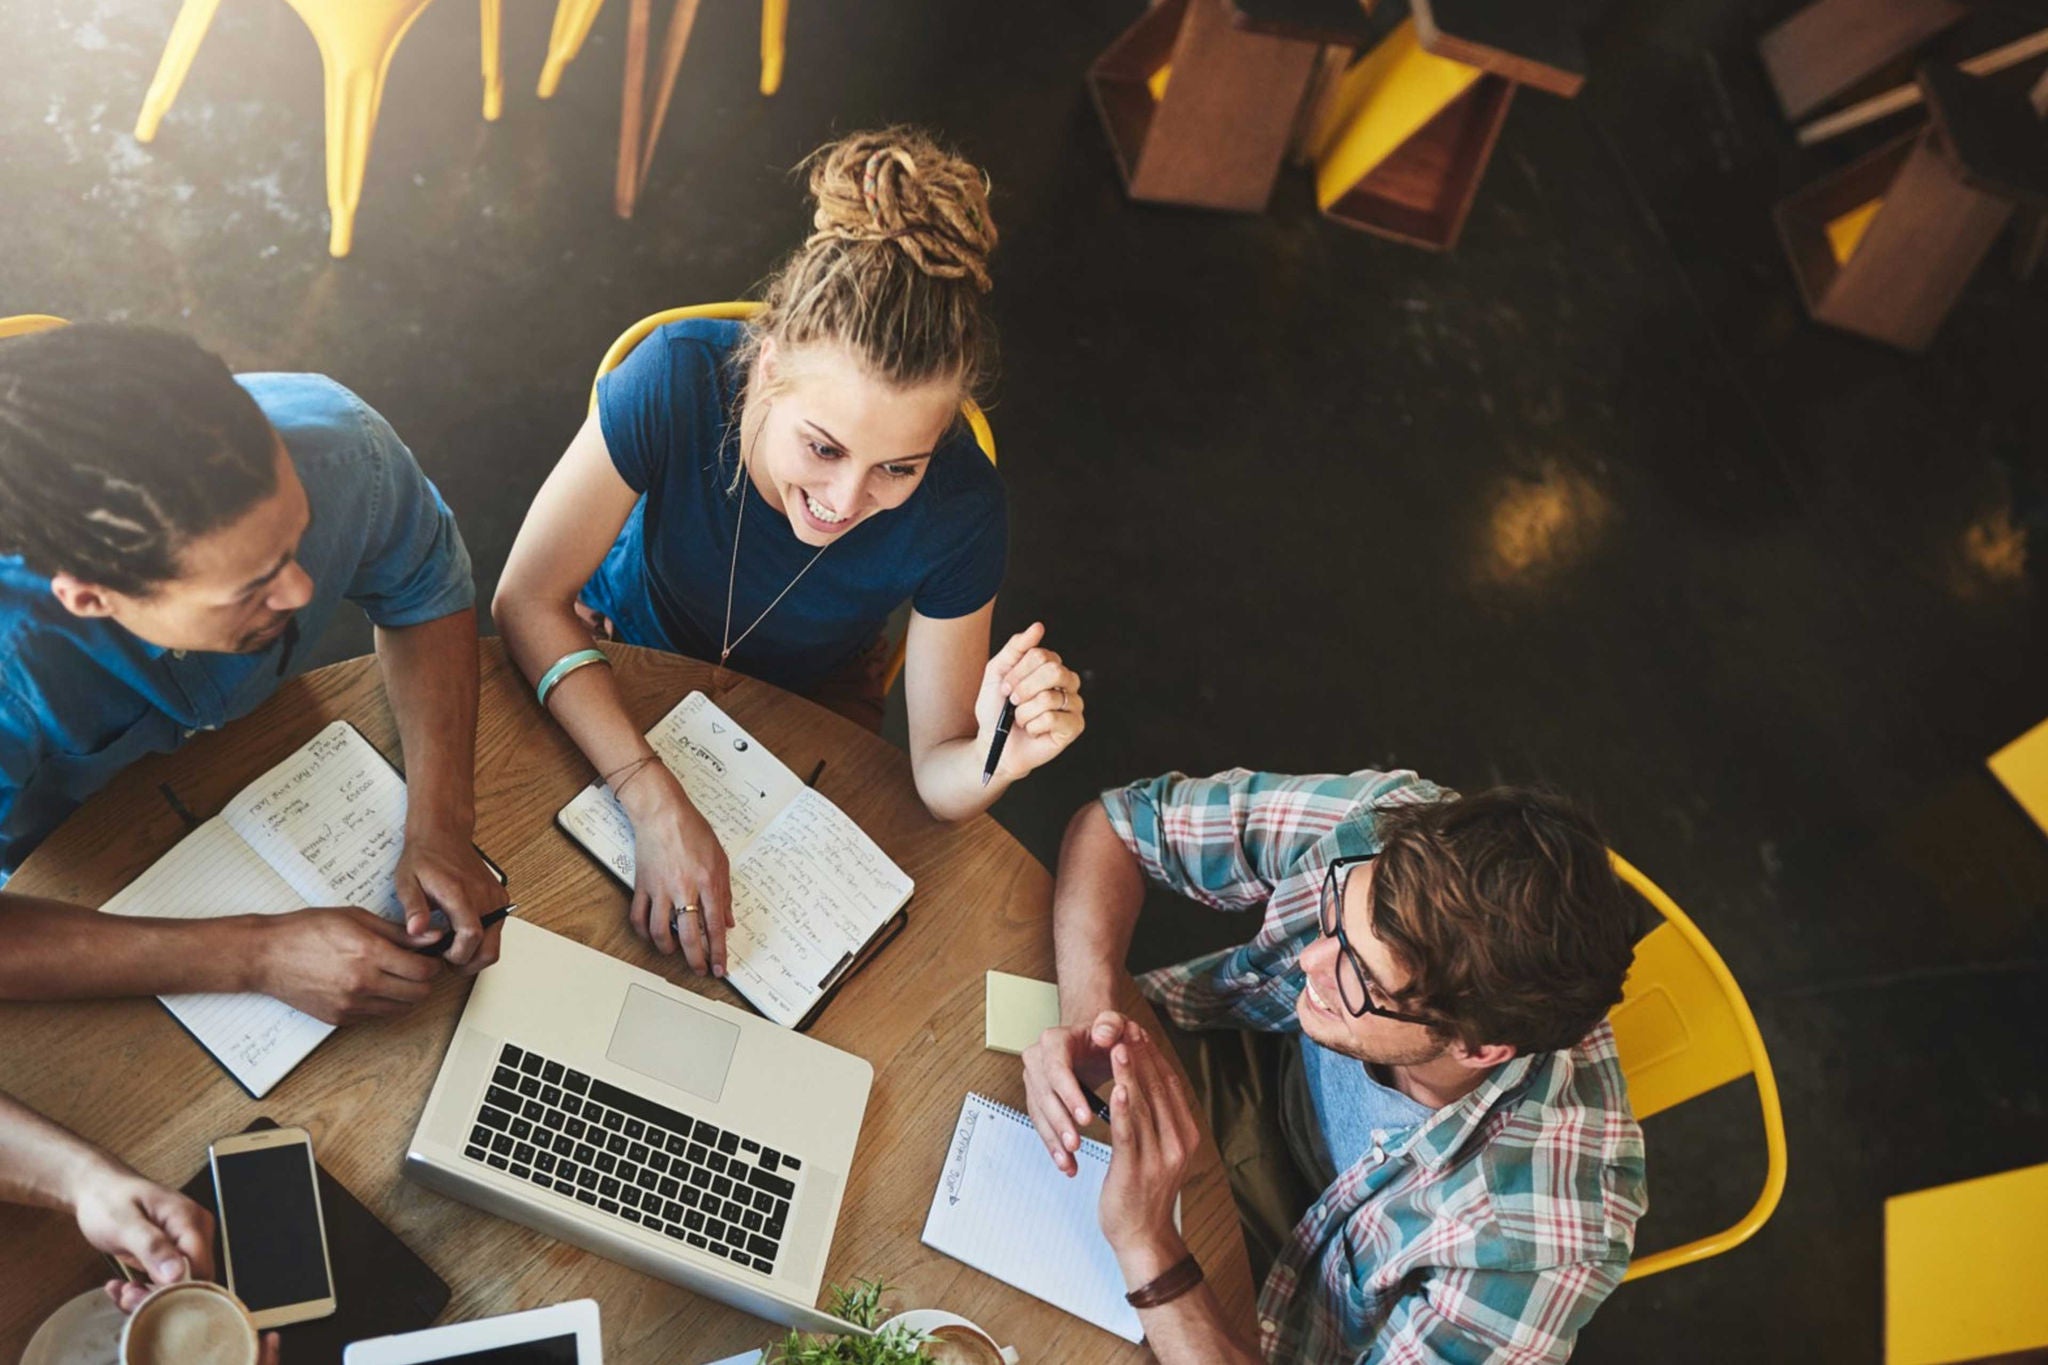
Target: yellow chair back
[[21, 324], [1683, 1028]]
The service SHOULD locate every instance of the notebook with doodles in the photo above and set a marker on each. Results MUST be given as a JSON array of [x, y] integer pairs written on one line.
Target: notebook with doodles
[[812, 895], [1005, 1209], [324, 827]]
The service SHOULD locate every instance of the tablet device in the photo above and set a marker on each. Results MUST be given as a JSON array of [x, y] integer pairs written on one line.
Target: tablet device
[[565, 1334]]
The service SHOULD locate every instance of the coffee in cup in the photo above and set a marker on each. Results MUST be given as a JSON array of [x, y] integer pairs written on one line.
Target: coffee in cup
[[189, 1323], [958, 1344]]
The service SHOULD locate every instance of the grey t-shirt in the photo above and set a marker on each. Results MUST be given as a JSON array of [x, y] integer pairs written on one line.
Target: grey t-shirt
[[1330, 1108]]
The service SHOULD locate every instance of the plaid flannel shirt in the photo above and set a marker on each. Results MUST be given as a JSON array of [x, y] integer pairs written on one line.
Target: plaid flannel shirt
[[1503, 1223]]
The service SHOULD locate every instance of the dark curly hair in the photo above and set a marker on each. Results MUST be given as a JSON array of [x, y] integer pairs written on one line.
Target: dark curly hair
[[1506, 910], [118, 447]]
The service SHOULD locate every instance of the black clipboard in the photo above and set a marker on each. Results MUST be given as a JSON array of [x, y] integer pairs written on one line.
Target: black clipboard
[[381, 1286]]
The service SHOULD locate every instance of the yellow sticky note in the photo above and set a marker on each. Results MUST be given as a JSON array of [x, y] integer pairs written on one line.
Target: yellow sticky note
[[2023, 767], [1019, 1009], [1845, 233]]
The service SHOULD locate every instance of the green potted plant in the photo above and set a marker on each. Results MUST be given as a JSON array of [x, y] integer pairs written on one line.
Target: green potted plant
[[862, 1304]]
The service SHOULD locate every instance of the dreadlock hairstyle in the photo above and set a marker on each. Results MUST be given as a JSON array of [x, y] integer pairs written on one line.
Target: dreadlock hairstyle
[[118, 447], [895, 266]]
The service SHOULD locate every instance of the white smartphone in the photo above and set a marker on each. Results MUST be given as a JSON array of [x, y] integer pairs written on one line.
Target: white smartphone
[[272, 1235]]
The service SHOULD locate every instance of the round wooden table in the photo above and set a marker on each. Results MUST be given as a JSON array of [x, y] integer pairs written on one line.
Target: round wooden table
[[123, 1074]]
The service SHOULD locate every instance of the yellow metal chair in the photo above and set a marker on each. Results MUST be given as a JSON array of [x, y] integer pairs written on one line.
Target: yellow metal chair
[[573, 19], [1962, 1271], [1682, 1029], [970, 411], [357, 39], [22, 324]]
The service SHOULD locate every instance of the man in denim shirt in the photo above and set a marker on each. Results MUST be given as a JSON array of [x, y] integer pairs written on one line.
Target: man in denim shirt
[[169, 535]]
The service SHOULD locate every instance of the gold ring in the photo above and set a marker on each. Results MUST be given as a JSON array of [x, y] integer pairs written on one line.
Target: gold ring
[[693, 910]]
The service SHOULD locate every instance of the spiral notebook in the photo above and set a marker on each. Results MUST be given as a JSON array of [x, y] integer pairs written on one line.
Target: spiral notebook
[[1005, 1209], [812, 896]]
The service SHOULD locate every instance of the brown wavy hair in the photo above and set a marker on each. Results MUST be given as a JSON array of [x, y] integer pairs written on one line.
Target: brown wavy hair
[[1506, 910]]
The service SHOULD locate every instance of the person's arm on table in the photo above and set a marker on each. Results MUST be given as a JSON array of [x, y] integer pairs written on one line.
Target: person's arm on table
[[678, 860], [430, 675], [1153, 1135], [953, 693], [339, 964]]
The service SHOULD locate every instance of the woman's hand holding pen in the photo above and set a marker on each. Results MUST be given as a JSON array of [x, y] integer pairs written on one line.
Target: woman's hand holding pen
[[1047, 695], [682, 888]]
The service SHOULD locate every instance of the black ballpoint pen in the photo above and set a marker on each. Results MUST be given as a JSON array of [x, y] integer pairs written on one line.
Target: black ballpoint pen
[[441, 945], [995, 748]]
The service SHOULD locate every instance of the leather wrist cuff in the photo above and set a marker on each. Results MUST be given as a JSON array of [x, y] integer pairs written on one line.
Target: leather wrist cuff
[[1170, 1284]]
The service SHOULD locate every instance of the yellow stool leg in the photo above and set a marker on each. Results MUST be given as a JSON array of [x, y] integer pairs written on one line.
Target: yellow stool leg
[[494, 73], [186, 34], [573, 19], [356, 42], [774, 32]]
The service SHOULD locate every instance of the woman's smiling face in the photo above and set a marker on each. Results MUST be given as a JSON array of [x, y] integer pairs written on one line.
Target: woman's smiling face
[[834, 445]]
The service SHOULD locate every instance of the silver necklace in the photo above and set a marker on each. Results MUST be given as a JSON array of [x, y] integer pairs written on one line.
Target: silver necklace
[[726, 643]]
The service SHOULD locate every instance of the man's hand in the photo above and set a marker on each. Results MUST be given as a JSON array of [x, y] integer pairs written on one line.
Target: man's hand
[[446, 873], [341, 964], [1153, 1135], [1060, 1069], [157, 1231]]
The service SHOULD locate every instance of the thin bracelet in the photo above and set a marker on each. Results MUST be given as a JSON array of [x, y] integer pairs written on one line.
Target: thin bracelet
[[1176, 1280], [619, 788], [563, 667]]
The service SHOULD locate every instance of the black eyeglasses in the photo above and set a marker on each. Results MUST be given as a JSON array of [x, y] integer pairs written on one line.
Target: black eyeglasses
[[1354, 982]]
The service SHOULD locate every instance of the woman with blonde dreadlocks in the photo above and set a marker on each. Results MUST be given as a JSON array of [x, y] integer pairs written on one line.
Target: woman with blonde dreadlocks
[[764, 494]]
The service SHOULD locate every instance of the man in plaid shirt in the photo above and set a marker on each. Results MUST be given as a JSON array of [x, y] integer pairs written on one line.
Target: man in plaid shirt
[[1434, 974]]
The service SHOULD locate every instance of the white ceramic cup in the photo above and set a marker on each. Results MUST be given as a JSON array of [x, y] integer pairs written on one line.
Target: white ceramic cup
[[216, 1331], [928, 1320]]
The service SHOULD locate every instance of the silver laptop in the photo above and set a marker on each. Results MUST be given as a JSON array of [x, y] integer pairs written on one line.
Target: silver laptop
[[600, 1104]]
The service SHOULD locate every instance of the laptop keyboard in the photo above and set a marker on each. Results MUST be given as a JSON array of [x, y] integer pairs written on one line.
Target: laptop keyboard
[[632, 1159]]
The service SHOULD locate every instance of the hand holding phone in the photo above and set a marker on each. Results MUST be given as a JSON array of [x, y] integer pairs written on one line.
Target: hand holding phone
[[273, 1237]]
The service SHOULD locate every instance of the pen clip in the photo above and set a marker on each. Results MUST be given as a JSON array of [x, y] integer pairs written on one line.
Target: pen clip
[[832, 977]]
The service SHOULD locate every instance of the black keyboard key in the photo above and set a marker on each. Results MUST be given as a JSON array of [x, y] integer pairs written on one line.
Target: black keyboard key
[[480, 1136], [676, 1144], [697, 1241], [524, 1154], [630, 1215], [616, 1144], [575, 1082], [609, 1187], [635, 1129], [586, 1153], [523, 1172], [728, 1143], [521, 1130], [533, 1111], [566, 1170], [563, 1145], [689, 1195], [587, 1196], [613, 1119], [668, 1187], [640, 1107], [544, 1162], [707, 1134], [530, 1064], [552, 1073], [732, 1213], [637, 1151], [629, 1197], [760, 1245], [721, 1186], [648, 1181], [505, 1076], [502, 1098], [769, 1157], [499, 1162], [694, 1221], [575, 1128], [763, 1200], [474, 1152], [607, 1163], [700, 1177], [718, 1163], [606, 1206], [510, 1056], [587, 1178], [774, 1228], [715, 1230], [792, 1162], [564, 1187], [674, 1230], [568, 1104], [750, 1147], [501, 1143], [774, 1184], [752, 1221], [698, 1153], [672, 1211], [763, 1265], [629, 1173], [529, 1086], [551, 1094]]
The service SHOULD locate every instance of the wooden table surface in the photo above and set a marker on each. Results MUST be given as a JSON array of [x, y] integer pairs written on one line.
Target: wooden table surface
[[122, 1073]]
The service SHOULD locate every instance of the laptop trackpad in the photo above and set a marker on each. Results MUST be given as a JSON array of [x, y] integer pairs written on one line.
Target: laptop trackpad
[[673, 1043]]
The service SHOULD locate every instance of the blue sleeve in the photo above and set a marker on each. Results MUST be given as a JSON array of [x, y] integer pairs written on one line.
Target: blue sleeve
[[414, 566], [967, 576], [635, 403], [20, 746]]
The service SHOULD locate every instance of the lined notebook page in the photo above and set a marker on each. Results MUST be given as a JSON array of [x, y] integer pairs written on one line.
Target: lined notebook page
[[1005, 1209], [212, 871], [331, 819], [808, 886]]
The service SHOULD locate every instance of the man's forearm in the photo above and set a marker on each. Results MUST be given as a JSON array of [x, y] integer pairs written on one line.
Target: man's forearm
[[52, 950], [1096, 901], [40, 1161], [1191, 1331], [430, 674]]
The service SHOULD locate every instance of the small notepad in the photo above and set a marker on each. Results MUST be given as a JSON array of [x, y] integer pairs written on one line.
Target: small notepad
[[1019, 1010], [1005, 1209]]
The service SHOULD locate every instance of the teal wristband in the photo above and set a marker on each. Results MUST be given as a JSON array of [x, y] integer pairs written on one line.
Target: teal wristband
[[563, 667]]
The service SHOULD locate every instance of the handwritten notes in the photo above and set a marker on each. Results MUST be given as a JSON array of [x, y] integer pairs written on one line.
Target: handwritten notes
[[324, 827], [809, 888]]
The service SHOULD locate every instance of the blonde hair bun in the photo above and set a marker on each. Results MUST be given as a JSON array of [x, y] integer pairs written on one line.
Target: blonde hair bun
[[897, 185]]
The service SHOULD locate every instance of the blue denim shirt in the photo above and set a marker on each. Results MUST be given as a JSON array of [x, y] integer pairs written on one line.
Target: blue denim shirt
[[81, 699]]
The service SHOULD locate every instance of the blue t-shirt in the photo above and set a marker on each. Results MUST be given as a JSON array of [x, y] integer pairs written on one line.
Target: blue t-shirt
[[81, 699], [1336, 1111], [669, 414]]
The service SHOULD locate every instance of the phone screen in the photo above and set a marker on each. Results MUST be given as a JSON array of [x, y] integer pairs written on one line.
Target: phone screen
[[272, 1225], [553, 1351]]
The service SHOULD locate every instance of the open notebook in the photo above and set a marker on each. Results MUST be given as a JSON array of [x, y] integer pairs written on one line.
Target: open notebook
[[811, 894], [324, 827], [1005, 1209]]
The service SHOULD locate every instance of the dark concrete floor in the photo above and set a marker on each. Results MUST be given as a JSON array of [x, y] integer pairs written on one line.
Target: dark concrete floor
[[1588, 501]]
